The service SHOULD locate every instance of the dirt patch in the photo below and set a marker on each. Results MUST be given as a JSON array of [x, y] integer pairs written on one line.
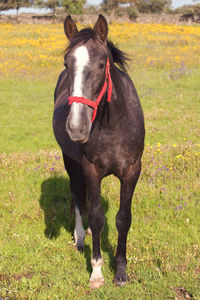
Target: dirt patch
[[16, 277], [182, 293], [91, 19]]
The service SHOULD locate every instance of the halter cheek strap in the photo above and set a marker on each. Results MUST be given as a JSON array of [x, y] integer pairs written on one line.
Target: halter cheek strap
[[94, 104]]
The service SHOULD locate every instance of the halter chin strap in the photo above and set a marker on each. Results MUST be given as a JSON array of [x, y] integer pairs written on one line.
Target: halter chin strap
[[94, 104]]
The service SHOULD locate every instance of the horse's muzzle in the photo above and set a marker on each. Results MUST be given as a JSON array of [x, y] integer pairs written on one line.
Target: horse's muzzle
[[80, 135]]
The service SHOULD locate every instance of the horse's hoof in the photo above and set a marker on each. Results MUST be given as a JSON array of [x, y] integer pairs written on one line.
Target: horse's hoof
[[120, 283], [96, 283], [88, 231], [80, 248], [121, 280]]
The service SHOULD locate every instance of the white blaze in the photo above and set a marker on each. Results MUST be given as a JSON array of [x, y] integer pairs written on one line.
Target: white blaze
[[81, 60]]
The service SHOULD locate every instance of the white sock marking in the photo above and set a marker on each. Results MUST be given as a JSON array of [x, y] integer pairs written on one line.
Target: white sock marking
[[96, 272], [81, 60]]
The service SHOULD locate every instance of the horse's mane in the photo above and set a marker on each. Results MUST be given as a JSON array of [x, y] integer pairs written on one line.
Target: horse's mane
[[119, 57]]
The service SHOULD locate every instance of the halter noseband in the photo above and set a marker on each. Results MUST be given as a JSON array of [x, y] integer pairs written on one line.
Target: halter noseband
[[94, 104]]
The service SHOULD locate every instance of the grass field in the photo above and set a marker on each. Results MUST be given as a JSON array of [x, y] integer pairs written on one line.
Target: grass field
[[37, 255]]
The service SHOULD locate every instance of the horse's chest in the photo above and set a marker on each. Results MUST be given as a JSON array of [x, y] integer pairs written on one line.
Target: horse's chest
[[111, 154]]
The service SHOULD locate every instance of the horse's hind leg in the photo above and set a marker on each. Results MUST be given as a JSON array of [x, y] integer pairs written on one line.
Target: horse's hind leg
[[78, 197], [123, 220]]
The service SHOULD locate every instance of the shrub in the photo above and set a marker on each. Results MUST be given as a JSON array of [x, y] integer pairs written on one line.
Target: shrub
[[132, 13]]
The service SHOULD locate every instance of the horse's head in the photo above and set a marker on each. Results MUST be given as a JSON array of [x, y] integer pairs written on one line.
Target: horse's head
[[87, 66]]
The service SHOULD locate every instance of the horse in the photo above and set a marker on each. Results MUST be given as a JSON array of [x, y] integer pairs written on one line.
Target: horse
[[98, 123]]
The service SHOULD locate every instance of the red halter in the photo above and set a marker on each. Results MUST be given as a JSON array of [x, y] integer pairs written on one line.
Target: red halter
[[95, 104]]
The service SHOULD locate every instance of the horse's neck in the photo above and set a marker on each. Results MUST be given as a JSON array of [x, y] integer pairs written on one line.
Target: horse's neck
[[118, 103], [111, 113]]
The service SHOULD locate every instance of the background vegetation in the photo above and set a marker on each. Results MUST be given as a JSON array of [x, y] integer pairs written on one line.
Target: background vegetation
[[123, 7], [37, 256]]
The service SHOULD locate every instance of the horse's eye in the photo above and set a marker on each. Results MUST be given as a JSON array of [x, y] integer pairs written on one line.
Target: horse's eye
[[101, 66], [66, 66]]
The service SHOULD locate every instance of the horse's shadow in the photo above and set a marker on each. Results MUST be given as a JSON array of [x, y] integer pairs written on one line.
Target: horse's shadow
[[58, 213]]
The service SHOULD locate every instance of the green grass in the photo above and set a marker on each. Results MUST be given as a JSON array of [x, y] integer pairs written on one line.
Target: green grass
[[26, 115], [37, 256]]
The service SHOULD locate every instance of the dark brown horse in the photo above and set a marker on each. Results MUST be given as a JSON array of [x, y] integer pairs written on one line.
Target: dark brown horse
[[98, 123]]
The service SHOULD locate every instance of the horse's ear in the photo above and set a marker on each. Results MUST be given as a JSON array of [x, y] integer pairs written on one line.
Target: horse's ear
[[101, 28], [70, 28]]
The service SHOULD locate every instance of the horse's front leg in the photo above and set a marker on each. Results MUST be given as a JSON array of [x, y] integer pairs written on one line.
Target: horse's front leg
[[123, 220], [96, 220], [78, 198]]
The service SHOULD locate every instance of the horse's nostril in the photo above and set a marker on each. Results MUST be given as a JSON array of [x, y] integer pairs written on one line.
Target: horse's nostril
[[68, 125], [75, 129]]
